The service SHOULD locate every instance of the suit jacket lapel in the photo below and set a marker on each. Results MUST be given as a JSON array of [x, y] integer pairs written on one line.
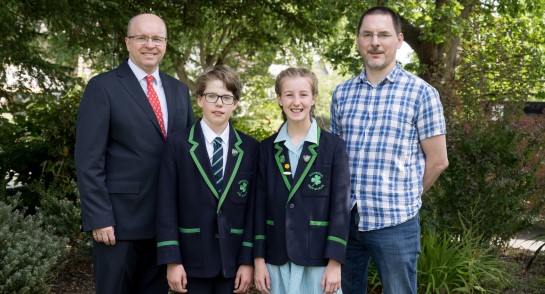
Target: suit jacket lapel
[[235, 153], [200, 156], [132, 86], [171, 104]]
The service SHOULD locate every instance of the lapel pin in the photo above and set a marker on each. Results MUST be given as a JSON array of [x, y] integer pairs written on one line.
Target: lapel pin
[[234, 152], [287, 172], [282, 159], [306, 158]]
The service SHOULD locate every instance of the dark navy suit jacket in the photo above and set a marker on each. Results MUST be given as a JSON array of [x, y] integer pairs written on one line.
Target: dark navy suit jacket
[[304, 220], [119, 147], [207, 232]]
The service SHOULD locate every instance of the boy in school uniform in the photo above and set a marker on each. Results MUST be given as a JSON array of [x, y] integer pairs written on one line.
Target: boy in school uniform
[[206, 189]]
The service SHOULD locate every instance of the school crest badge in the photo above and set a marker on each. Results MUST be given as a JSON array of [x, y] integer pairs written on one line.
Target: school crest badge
[[242, 188], [316, 181]]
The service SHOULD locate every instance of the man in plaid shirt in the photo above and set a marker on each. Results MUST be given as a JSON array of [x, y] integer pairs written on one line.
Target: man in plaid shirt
[[394, 128]]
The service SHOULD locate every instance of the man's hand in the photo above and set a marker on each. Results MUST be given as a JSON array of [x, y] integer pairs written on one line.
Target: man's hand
[[105, 235]]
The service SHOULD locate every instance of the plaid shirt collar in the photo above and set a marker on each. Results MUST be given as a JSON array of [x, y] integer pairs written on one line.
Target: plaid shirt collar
[[392, 76]]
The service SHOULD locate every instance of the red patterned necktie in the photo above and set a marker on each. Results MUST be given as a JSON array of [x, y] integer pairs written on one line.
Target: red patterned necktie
[[154, 101]]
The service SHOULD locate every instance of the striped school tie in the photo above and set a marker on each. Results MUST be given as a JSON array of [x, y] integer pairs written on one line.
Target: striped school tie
[[217, 163]]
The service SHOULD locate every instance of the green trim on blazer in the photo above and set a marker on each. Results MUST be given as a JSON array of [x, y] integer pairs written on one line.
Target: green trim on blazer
[[203, 174], [311, 148], [336, 239], [167, 243], [237, 231], [189, 230], [319, 223]]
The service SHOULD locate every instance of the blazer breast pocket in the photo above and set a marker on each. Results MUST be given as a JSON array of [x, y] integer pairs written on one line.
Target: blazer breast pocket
[[241, 187], [316, 182]]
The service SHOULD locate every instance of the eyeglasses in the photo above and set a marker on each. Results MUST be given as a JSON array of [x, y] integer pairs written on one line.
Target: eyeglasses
[[367, 36], [142, 39], [213, 98]]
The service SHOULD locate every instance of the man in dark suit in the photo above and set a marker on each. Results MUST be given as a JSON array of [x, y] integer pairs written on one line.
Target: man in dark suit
[[124, 118]]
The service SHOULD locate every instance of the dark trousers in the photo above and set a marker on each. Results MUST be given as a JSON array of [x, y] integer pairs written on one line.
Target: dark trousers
[[217, 285], [128, 267]]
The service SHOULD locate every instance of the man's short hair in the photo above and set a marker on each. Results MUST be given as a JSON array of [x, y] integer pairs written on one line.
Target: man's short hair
[[382, 10]]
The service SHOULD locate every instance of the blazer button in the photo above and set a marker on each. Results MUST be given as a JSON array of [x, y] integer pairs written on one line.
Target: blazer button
[[292, 205], [217, 235]]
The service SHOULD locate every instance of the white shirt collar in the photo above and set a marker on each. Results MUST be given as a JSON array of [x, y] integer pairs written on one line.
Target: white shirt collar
[[210, 135], [141, 74]]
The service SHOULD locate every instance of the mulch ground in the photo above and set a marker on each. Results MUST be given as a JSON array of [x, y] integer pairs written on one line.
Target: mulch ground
[[75, 274], [531, 281]]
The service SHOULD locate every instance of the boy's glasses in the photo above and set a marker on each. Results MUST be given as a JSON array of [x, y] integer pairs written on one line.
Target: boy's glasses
[[213, 98]]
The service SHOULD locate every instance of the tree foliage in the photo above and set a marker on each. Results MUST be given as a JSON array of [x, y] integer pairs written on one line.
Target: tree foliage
[[479, 54], [492, 185], [39, 137], [437, 30]]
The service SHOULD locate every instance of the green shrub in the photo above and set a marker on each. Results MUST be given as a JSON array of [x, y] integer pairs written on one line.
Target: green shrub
[[449, 264], [373, 280], [60, 213], [490, 181], [27, 252], [38, 138]]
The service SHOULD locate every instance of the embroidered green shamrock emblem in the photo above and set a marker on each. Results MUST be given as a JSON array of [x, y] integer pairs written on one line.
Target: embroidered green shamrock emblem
[[316, 183], [316, 180], [243, 187]]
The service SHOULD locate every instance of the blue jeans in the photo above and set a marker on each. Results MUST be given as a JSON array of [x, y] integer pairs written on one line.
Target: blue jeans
[[394, 251]]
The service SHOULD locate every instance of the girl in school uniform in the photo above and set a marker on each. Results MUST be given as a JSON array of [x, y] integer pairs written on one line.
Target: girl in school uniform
[[301, 208]]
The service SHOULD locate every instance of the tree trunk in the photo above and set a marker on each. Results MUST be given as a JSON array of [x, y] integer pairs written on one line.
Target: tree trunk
[[439, 60]]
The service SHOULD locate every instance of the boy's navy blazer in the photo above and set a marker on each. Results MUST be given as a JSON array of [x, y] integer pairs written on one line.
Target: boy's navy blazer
[[119, 147], [304, 219], [207, 232]]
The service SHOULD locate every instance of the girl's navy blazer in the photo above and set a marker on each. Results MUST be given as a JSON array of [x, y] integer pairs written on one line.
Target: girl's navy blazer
[[209, 233], [302, 219]]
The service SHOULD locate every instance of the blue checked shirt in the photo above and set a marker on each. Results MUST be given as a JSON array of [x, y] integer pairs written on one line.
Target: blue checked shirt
[[382, 126]]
